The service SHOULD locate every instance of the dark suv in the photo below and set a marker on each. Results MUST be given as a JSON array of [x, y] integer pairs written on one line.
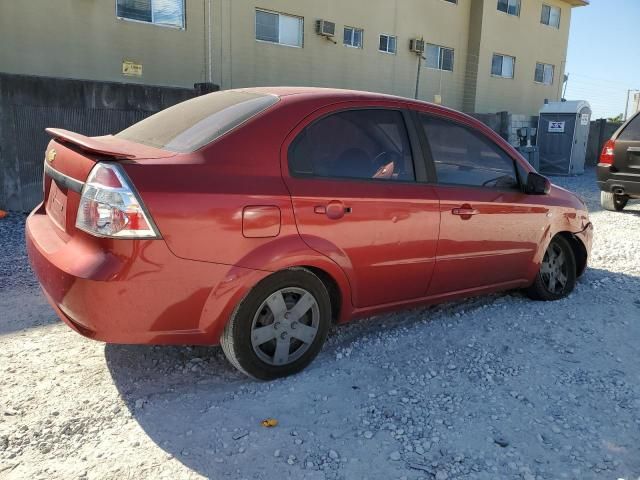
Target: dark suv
[[619, 167]]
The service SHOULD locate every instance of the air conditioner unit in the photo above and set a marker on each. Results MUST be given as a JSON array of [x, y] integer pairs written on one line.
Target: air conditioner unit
[[325, 28], [416, 45]]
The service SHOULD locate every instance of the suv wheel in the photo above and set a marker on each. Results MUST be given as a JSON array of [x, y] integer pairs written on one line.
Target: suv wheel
[[613, 202], [557, 276], [280, 326]]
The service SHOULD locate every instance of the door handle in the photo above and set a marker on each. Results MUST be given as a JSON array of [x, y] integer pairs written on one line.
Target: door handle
[[465, 212], [334, 210]]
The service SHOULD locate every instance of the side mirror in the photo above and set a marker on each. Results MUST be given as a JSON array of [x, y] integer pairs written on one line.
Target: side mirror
[[537, 184]]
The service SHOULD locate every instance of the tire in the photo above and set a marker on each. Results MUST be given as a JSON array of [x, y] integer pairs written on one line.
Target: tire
[[264, 328], [613, 202], [559, 261]]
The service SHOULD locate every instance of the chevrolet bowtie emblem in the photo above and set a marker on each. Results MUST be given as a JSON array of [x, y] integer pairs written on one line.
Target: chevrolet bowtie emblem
[[51, 155]]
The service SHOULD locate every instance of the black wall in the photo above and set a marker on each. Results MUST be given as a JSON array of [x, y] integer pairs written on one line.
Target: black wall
[[30, 104]]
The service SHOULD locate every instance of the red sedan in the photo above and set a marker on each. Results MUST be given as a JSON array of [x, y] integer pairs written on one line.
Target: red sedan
[[256, 218]]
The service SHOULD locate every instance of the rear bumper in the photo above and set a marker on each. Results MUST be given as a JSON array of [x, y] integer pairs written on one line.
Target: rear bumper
[[133, 291], [627, 183]]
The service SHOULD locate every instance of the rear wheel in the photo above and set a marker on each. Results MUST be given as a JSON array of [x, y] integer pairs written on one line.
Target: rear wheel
[[613, 202], [280, 327], [557, 276]]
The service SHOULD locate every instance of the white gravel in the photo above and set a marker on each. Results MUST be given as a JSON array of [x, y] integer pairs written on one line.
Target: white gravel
[[493, 387]]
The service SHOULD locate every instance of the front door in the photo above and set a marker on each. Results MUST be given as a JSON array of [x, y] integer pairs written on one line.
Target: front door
[[489, 230], [356, 198]]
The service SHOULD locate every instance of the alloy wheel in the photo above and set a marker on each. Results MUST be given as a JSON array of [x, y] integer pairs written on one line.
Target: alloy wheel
[[285, 325], [554, 269]]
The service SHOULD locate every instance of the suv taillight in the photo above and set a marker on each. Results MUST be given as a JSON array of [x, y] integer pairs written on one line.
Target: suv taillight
[[608, 153], [110, 207]]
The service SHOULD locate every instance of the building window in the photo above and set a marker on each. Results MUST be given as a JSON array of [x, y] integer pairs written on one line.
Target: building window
[[512, 7], [353, 37], [503, 66], [452, 1], [550, 16], [388, 43], [169, 13], [544, 73], [440, 58], [279, 28]]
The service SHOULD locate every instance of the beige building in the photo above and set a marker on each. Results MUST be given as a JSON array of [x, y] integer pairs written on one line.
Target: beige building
[[479, 55]]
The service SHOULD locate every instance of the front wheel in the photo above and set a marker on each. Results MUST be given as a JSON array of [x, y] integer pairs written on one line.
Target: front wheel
[[610, 201], [280, 327], [557, 276]]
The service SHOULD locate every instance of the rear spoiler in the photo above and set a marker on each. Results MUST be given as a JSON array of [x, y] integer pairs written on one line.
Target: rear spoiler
[[108, 145]]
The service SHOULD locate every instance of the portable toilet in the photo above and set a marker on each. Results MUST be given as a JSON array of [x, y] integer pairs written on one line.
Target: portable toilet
[[563, 132]]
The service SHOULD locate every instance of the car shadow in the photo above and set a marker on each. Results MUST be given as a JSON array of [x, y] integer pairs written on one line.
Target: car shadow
[[195, 406]]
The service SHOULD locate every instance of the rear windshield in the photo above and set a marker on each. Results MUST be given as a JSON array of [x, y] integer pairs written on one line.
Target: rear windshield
[[632, 131], [190, 125]]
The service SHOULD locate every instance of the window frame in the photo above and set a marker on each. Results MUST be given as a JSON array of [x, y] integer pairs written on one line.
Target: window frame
[[354, 30], [165, 25], [395, 37], [441, 48], [519, 3], [416, 145], [551, 7], [513, 76], [453, 2], [273, 12], [553, 73], [430, 160]]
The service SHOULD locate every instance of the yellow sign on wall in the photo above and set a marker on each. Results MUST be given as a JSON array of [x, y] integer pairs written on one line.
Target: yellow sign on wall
[[131, 69]]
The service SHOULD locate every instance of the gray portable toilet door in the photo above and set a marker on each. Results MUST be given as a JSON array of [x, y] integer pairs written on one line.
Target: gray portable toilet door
[[581, 137], [555, 142]]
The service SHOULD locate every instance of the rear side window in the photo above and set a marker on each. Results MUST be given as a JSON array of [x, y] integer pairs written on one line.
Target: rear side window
[[465, 157], [362, 144], [631, 132], [191, 125]]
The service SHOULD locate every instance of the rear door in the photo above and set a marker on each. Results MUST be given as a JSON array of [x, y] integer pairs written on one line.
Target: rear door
[[490, 229], [627, 150], [360, 198]]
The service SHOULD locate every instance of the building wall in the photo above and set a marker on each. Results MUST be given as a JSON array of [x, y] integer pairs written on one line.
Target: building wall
[[529, 41], [83, 39], [242, 61]]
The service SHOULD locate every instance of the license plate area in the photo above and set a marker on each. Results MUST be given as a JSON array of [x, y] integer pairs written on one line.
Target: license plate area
[[57, 206]]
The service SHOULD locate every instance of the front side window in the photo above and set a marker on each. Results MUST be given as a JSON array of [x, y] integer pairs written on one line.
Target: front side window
[[159, 12], [388, 43], [440, 58], [550, 16], [356, 144], [463, 156], [503, 66], [353, 37], [279, 28], [544, 73], [512, 7]]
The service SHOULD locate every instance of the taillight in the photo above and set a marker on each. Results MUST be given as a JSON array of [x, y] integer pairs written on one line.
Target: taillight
[[110, 207], [608, 153]]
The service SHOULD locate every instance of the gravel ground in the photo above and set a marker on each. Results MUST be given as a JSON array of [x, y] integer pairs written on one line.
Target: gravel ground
[[493, 387]]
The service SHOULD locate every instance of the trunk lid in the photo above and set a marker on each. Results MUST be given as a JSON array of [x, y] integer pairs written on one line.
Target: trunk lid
[[69, 159]]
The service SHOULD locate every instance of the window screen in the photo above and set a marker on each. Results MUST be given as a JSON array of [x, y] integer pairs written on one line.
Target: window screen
[[159, 12], [359, 144], [190, 125], [544, 73], [465, 157], [632, 131], [279, 28], [502, 65]]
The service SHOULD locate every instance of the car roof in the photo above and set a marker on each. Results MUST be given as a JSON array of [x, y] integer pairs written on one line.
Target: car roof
[[336, 95]]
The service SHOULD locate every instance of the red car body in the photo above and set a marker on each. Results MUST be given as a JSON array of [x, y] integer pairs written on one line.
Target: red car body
[[230, 214]]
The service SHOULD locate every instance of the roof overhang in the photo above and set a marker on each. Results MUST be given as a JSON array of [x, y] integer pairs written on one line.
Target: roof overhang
[[578, 3]]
